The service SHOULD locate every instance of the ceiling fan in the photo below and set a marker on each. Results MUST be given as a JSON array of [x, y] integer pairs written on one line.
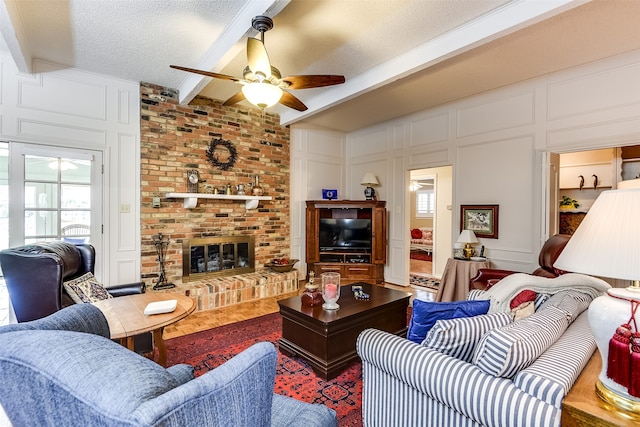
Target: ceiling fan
[[262, 83], [414, 185]]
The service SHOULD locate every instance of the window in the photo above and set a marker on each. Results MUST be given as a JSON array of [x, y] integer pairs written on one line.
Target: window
[[425, 203], [55, 194]]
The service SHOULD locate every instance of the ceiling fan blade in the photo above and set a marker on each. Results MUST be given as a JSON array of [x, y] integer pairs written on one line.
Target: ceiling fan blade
[[207, 73], [310, 81], [291, 101], [258, 58], [235, 99]]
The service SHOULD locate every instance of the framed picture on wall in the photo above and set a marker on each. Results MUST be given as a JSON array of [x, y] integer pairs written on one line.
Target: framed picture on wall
[[481, 219]]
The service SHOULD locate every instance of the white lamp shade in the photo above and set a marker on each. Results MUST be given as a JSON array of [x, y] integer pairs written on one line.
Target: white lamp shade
[[467, 236], [607, 242], [369, 179], [262, 95]]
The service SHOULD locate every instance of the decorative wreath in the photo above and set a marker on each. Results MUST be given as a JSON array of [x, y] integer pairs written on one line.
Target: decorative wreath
[[211, 154]]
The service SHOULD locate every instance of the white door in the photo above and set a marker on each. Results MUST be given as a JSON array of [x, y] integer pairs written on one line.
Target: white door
[[54, 194]]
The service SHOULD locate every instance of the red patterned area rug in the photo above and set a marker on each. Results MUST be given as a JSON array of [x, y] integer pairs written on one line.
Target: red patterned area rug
[[208, 349]]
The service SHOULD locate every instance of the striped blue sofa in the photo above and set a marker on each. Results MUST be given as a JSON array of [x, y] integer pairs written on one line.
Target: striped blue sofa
[[408, 384]]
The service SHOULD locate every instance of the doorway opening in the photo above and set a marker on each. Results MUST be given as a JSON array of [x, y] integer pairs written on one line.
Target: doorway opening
[[429, 223], [582, 176]]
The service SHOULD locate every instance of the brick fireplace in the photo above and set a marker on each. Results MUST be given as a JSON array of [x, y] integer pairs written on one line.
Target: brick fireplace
[[217, 257], [174, 139]]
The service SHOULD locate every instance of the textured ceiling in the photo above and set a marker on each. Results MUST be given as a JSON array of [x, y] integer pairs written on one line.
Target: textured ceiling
[[399, 56]]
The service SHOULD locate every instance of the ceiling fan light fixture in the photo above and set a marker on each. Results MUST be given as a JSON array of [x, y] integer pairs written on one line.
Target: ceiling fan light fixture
[[263, 95]]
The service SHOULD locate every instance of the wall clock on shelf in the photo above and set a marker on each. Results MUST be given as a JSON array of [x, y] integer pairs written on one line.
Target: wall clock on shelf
[[222, 154], [193, 177]]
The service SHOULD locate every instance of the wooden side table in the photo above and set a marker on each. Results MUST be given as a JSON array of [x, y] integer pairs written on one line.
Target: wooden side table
[[126, 317], [581, 407], [457, 274]]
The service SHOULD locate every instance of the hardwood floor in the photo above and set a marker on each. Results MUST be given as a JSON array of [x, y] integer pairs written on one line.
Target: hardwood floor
[[417, 266], [203, 320]]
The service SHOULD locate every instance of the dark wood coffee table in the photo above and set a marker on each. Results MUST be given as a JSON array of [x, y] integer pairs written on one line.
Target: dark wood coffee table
[[327, 338]]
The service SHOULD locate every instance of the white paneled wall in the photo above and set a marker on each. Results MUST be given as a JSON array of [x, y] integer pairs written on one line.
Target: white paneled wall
[[495, 143], [71, 108], [317, 162]]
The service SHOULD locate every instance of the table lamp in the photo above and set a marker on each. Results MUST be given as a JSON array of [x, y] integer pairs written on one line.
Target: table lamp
[[607, 244], [369, 180], [467, 237]]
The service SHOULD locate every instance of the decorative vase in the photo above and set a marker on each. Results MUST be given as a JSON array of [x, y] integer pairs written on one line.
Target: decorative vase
[[257, 190], [311, 296], [330, 290], [606, 314]]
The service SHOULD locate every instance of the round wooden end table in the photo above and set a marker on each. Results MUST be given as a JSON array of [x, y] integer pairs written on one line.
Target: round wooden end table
[[126, 317]]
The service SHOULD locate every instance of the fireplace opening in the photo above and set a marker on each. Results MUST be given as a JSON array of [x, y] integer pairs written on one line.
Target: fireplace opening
[[217, 256]]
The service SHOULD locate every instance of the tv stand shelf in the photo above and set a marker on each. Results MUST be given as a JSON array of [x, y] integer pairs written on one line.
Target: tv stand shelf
[[345, 257], [364, 264]]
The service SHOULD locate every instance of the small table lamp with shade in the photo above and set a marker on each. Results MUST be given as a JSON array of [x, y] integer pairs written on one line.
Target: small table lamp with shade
[[369, 180], [607, 244], [467, 237]]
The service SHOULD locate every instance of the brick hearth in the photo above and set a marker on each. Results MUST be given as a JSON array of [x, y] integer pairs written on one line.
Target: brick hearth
[[225, 291]]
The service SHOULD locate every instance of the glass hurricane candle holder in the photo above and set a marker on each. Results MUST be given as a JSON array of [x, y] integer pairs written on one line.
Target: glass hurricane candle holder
[[330, 290]]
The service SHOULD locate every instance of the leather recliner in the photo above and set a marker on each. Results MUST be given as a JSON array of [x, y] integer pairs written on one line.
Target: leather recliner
[[34, 275], [549, 253]]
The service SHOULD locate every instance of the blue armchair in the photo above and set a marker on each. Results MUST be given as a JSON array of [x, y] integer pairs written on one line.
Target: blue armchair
[[62, 370]]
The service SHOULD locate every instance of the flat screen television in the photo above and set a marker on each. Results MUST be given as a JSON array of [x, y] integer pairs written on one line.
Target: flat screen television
[[345, 234]]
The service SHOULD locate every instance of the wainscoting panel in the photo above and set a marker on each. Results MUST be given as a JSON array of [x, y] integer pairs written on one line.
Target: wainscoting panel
[[124, 106], [428, 129], [490, 114], [425, 158], [67, 92], [594, 92], [129, 195], [373, 141], [619, 132], [57, 132]]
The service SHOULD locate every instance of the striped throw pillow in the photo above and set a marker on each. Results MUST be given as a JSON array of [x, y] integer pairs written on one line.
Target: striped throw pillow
[[476, 294], [458, 337], [505, 351], [572, 302]]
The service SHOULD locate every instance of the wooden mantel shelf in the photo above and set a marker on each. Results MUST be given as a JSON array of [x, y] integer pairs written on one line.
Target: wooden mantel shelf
[[191, 199]]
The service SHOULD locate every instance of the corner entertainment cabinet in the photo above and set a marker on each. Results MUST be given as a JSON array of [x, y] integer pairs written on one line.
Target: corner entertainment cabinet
[[348, 237]]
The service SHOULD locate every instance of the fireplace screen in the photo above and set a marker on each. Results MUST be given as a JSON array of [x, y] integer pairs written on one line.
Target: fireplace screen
[[217, 256]]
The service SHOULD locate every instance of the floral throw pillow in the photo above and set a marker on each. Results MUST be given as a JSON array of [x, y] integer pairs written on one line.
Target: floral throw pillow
[[86, 288]]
